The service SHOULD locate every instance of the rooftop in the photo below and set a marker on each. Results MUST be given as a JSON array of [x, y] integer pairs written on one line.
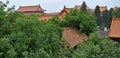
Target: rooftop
[[73, 37], [48, 16], [30, 8], [103, 8], [115, 28]]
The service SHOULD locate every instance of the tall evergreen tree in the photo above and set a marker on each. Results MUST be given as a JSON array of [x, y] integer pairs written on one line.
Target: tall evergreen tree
[[105, 18], [97, 11], [110, 17], [84, 6], [97, 14]]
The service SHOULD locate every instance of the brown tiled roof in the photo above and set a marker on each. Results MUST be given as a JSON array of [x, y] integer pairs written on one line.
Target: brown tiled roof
[[48, 16], [67, 10], [30, 8], [115, 28], [73, 37], [103, 8], [64, 11]]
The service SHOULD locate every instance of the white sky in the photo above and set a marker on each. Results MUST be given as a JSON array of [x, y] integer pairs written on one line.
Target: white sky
[[57, 5]]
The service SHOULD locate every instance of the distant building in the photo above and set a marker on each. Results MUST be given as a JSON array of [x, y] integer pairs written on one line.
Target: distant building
[[88, 8], [62, 13], [114, 32], [47, 16], [29, 10], [37, 9], [103, 8], [66, 10]]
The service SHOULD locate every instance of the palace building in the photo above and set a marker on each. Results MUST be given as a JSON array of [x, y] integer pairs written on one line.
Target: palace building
[[29, 10]]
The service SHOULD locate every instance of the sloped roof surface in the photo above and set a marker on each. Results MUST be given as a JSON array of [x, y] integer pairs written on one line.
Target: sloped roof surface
[[72, 36], [30, 8], [115, 28], [48, 16]]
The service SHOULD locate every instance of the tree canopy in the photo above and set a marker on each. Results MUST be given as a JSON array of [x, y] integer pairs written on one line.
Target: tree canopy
[[117, 12], [82, 20], [28, 37], [97, 14], [97, 47]]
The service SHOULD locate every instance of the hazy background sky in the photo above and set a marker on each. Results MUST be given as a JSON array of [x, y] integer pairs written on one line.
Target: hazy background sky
[[57, 5]]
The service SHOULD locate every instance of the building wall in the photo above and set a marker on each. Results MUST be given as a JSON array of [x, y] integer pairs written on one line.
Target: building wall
[[33, 12]]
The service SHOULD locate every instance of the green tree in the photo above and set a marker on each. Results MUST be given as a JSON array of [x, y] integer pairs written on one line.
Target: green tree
[[28, 37], [110, 17], [55, 20], [82, 20], [71, 19], [105, 19], [84, 6], [117, 13], [6, 49], [31, 35], [3, 5], [97, 47], [4, 23], [87, 23], [97, 14], [7, 18]]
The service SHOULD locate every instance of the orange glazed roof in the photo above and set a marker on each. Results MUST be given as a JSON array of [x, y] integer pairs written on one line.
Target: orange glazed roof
[[115, 28], [30, 8], [103, 8], [67, 10]]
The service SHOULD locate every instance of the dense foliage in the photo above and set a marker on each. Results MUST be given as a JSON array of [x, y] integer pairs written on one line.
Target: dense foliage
[[117, 12], [97, 47], [97, 14], [82, 20], [104, 18], [28, 37]]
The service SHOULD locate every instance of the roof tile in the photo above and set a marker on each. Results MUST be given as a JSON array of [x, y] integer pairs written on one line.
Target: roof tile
[[115, 28], [73, 37], [30, 8]]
